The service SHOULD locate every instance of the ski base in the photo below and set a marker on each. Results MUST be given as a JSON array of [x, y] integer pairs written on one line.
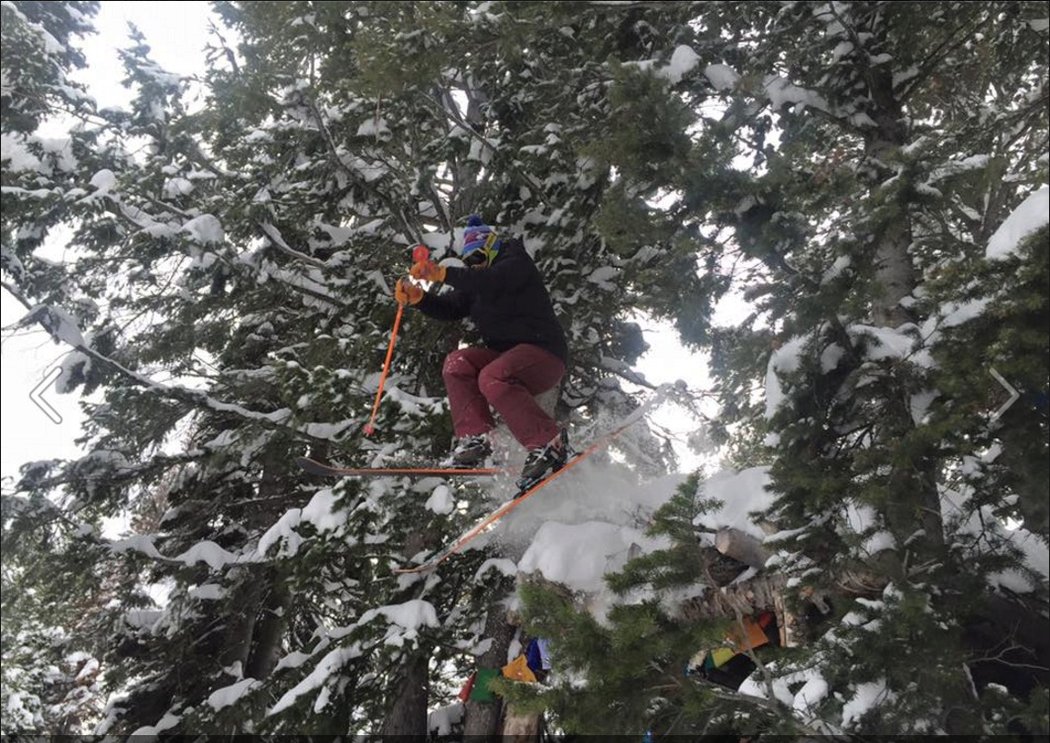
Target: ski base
[[489, 521], [524, 493], [326, 470]]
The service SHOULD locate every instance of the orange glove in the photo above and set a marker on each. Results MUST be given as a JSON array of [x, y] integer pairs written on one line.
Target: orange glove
[[405, 292], [428, 271]]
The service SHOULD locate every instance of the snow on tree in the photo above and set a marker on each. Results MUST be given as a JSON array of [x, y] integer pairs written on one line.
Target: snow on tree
[[230, 300], [849, 168], [849, 165]]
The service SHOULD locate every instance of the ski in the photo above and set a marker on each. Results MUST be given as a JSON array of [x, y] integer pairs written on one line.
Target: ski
[[523, 494], [326, 470]]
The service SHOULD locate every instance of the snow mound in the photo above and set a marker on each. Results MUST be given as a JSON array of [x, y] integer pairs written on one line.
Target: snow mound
[[578, 556]]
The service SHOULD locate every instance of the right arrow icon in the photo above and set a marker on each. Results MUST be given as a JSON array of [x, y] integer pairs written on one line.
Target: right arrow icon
[[1014, 394]]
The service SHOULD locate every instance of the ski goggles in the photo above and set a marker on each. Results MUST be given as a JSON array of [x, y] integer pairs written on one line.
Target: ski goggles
[[484, 254]]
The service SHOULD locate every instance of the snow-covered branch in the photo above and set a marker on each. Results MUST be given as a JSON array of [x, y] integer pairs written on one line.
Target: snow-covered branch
[[278, 239], [63, 329]]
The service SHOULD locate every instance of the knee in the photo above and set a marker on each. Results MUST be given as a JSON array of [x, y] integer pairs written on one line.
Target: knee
[[457, 365], [490, 381]]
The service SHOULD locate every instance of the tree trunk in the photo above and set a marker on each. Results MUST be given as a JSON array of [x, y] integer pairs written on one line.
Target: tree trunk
[[465, 196], [483, 718], [240, 625], [408, 715], [741, 547], [894, 273], [896, 278], [269, 631], [521, 728]]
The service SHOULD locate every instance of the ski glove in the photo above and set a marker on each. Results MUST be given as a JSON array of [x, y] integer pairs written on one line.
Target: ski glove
[[405, 292], [428, 271]]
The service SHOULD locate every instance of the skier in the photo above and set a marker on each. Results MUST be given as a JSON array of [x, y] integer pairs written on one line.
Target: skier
[[524, 349]]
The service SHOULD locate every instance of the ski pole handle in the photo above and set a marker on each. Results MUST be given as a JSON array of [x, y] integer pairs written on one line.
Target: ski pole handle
[[420, 254]]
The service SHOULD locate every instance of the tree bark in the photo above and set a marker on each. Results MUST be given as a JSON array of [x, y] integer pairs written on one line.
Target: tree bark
[[240, 625], [741, 547], [408, 715], [269, 630], [521, 728], [483, 718], [894, 271], [896, 277]]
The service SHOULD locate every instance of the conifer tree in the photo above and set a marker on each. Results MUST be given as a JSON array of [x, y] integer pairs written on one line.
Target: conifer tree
[[846, 167], [231, 303], [49, 672], [880, 149]]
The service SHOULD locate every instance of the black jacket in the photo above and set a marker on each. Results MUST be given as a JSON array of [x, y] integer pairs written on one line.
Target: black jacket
[[507, 302]]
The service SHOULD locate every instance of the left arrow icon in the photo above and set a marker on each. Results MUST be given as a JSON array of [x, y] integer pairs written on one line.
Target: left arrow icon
[[37, 395]]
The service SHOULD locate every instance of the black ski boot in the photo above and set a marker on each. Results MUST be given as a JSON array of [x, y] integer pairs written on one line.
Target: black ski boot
[[545, 461], [470, 451]]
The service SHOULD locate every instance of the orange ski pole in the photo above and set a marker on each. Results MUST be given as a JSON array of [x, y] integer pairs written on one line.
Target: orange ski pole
[[419, 255]]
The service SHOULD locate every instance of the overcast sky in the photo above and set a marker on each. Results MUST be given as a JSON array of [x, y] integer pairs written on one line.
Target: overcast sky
[[177, 33]]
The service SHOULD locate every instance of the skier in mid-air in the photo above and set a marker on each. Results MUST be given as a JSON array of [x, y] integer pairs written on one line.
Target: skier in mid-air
[[523, 355]]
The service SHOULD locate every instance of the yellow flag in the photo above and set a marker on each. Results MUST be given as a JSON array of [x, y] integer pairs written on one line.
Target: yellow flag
[[518, 670]]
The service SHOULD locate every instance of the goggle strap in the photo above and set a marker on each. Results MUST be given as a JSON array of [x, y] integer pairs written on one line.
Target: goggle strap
[[487, 249]]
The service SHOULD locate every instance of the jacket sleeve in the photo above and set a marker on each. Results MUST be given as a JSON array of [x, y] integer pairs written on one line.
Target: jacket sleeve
[[509, 273], [451, 306]]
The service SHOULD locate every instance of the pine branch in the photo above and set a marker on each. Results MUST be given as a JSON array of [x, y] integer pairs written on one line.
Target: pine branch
[[280, 276], [865, 66], [767, 677], [17, 294], [407, 228], [454, 116], [275, 236], [194, 398], [954, 40]]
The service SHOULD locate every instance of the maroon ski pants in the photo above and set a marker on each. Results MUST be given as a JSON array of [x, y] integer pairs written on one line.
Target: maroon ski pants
[[479, 377]]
